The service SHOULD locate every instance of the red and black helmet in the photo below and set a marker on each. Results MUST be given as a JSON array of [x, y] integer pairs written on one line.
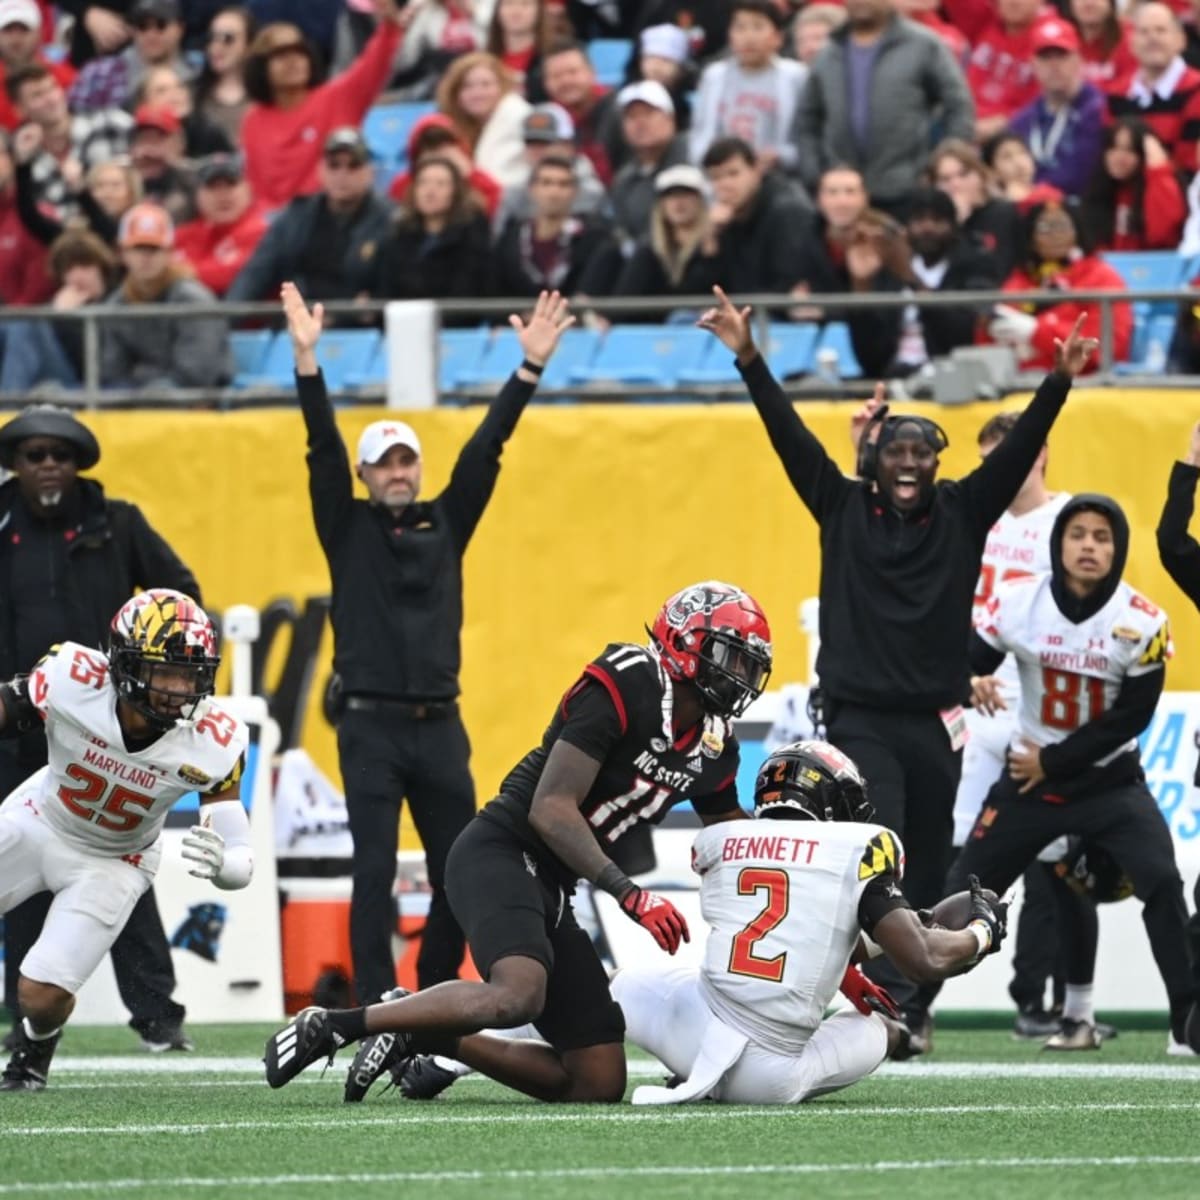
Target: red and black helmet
[[714, 636]]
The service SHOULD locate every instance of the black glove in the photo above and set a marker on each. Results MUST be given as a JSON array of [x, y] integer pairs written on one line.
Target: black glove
[[993, 914]]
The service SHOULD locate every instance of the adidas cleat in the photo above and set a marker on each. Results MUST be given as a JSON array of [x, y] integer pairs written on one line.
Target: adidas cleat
[[298, 1045], [376, 1054], [30, 1063], [422, 1077]]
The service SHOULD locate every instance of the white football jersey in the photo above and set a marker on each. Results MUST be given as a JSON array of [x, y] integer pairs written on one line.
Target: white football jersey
[[781, 901], [1071, 673], [97, 794], [1015, 547]]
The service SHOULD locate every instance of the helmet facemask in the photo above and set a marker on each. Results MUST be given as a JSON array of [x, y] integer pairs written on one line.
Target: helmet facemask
[[733, 671]]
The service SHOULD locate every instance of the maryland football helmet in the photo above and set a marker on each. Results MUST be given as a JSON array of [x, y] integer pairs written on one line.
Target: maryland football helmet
[[811, 780], [715, 636], [156, 629]]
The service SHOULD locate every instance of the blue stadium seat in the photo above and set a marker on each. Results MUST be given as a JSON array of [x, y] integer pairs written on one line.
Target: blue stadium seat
[[654, 354], [609, 58], [1149, 269], [459, 351], [716, 366], [374, 374], [500, 358], [1152, 337], [790, 348], [249, 347], [386, 129], [341, 353], [576, 350], [836, 336]]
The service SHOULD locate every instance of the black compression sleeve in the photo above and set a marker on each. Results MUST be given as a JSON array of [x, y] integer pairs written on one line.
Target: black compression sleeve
[[880, 897]]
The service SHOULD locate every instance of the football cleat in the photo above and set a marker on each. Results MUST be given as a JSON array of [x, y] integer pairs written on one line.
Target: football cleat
[[159, 1038], [1074, 1035], [422, 1077], [1178, 1049], [30, 1063], [376, 1054], [300, 1044], [915, 1039], [1036, 1024], [1191, 1028]]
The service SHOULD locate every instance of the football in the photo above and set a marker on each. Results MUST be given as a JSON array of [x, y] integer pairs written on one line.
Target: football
[[953, 912]]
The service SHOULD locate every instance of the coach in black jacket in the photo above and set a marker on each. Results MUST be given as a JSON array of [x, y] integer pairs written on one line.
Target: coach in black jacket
[[899, 567], [396, 567], [69, 558]]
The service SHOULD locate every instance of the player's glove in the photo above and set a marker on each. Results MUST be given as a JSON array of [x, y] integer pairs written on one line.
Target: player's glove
[[866, 996], [658, 915], [992, 915], [206, 848]]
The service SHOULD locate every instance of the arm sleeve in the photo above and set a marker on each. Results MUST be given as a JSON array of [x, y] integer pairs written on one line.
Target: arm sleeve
[[330, 487], [39, 224], [1177, 549], [990, 488], [704, 114], [815, 476], [591, 722], [807, 127], [949, 88], [228, 818], [984, 657], [264, 270], [1131, 712], [971, 17], [721, 801], [475, 472], [1164, 208], [155, 564], [881, 896], [102, 225], [365, 78]]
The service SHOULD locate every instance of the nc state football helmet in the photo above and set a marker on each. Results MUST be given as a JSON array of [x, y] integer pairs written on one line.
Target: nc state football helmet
[[813, 780], [714, 636], [156, 635]]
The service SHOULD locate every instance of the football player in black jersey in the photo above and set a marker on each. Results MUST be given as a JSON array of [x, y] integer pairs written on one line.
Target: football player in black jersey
[[642, 729]]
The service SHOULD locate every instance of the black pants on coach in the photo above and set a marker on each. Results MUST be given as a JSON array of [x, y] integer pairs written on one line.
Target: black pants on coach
[[1124, 820], [141, 957], [912, 776], [387, 758]]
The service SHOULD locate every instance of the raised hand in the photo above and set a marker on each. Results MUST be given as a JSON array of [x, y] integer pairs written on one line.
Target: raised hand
[[862, 418], [304, 327], [1073, 354], [539, 335], [991, 914], [1193, 455], [731, 325]]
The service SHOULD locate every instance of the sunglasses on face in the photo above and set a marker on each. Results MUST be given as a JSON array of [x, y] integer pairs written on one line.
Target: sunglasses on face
[[39, 454]]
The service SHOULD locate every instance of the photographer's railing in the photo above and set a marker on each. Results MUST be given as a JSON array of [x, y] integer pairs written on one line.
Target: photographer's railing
[[370, 315]]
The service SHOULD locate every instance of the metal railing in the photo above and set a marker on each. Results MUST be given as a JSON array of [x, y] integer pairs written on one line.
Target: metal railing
[[766, 306]]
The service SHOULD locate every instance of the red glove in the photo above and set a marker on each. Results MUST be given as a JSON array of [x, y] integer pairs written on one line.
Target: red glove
[[658, 915], [866, 996]]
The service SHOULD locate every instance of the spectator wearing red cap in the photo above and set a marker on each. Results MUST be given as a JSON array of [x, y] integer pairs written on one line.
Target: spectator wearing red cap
[[220, 241], [165, 87], [1104, 44], [23, 275], [113, 80], [170, 352], [1165, 91], [20, 45], [1000, 69], [293, 113], [157, 152], [435, 134], [1134, 201], [1064, 126]]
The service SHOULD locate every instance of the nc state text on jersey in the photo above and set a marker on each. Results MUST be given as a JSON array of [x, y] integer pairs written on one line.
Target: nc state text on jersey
[[774, 849], [677, 781]]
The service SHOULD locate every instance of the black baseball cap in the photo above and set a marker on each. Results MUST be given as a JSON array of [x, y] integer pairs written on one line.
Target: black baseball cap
[[347, 140], [216, 167]]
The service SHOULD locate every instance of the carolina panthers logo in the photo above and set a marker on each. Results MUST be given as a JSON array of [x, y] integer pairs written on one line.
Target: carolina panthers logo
[[697, 600], [200, 931]]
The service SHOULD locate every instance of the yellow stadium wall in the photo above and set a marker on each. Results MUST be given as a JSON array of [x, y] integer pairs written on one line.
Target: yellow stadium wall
[[600, 512]]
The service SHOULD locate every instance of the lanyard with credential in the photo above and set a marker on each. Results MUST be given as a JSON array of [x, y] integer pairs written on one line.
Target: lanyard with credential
[[1043, 149]]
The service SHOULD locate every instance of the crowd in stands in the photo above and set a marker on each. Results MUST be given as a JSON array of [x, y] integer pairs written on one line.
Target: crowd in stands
[[181, 150]]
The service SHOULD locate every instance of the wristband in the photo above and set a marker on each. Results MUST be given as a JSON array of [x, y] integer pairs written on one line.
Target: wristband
[[983, 935], [532, 368], [614, 881]]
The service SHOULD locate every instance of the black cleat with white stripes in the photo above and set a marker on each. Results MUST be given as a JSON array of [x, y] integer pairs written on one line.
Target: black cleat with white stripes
[[307, 1039]]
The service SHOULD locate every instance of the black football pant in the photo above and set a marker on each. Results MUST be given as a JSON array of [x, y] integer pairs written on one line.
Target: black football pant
[[1124, 820], [912, 776], [141, 957], [387, 758]]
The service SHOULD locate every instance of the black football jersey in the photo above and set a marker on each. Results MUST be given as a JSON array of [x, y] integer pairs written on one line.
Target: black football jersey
[[615, 714]]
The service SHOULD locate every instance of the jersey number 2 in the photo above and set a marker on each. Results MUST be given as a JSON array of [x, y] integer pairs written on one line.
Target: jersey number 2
[[114, 813], [742, 959]]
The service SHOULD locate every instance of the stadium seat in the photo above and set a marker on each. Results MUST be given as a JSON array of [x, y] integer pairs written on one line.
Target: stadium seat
[[790, 348], [386, 129], [1149, 269], [341, 353], [836, 336], [1152, 337], [249, 348], [459, 350], [716, 366], [576, 350], [609, 58], [501, 356], [654, 354]]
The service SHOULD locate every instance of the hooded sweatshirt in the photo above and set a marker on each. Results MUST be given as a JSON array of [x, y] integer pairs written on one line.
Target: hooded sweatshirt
[[485, 186]]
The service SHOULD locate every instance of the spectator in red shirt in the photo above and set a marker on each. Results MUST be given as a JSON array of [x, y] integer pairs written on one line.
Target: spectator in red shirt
[[1108, 60], [292, 115], [1058, 259], [20, 44], [435, 135], [1165, 91], [925, 12], [220, 241], [518, 36], [23, 275], [1000, 70], [571, 82], [1134, 201]]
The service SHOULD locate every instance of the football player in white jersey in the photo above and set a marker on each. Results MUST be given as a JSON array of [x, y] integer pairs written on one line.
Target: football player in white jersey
[[1091, 653], [128, 732], [792, 898]]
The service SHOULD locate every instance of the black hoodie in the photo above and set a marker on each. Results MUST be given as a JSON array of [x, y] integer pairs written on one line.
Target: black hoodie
[[1069, 765]]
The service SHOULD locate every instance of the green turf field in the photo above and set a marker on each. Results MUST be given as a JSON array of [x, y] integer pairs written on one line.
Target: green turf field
[[983, 1117]]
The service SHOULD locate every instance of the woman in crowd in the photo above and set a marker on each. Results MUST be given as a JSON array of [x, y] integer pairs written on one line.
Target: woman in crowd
[[1058, 259], [1134, 201], [1108, 60], [1011, 164], [518, 35], [680, 256], [162, 86], [220, 88], [479, 95], [440, 245], [434, 135], [956, 169]]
